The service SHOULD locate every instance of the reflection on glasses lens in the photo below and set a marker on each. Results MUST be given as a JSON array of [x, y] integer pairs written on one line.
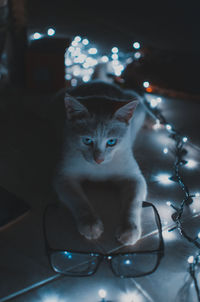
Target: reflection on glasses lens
[[134, 265], [74, 263]]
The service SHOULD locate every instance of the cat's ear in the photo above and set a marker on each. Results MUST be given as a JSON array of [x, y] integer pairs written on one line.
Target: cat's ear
[[74, 108], [125, 112]]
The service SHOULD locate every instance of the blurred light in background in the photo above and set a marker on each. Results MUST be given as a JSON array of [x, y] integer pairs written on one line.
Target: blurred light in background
[[165, 150], [146, 84], [85, 42], [92, 51], [136, 45], [137, 55], [190, 259], [115, 50], [102, 293], [191, 164], [104, 59], [164, 178], [36, 36], [51, 32]]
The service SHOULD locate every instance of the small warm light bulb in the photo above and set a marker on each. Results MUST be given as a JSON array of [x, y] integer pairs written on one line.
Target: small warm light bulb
[[86, 78], [185, 139], [85, 41], [153, 103], [51, 32], [168, 127], [36, 36], [164, 179], [115, 50], [92, 51], [191, 163], [165, 150], [77, 39], [114, 56], [190, 259], [137, 55], [136, 45], [159, 99], [146, 84], [102, 293], [74, 43], [104, 59]]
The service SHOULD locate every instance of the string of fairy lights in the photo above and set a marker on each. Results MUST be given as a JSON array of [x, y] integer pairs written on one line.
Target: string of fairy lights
[[179, 153], [81, 58]]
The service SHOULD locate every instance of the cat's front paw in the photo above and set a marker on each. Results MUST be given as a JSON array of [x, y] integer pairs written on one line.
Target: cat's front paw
[[90, 227], [129, 234]]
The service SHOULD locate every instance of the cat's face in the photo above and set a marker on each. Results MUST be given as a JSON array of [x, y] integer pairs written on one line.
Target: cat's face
[[98, 132], [98, 145]]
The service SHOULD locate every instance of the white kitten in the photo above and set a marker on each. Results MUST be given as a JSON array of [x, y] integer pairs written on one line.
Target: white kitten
[[101, 125]]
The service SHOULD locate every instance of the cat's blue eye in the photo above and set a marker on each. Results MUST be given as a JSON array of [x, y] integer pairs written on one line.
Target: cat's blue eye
[[87, 141], [111, 142]]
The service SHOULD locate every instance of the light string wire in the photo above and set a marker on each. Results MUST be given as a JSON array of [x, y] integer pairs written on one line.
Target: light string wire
[[179, 161]]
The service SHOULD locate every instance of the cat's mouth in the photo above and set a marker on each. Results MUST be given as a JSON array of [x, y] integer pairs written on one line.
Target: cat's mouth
[[99, 160]]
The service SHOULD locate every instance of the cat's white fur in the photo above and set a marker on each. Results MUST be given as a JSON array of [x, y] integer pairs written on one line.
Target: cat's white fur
[[74, 169]]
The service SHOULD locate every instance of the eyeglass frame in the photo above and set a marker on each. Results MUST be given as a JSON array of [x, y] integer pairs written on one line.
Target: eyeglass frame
[[108, 257]]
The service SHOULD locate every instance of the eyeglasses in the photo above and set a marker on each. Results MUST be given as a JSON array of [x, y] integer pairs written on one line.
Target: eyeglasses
[[124, 265]]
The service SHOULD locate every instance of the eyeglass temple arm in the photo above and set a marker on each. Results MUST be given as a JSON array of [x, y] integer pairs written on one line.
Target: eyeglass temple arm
[[146, 204]]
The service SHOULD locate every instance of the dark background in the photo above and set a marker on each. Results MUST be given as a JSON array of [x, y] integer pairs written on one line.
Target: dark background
[[168, 30], [169, 25]]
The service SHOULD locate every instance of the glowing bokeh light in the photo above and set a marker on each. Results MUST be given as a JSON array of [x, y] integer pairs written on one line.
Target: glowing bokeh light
[[102, 293], [51, 32], [136, 45], [104, 59], [114, 56], [36, 36], [154, 103], [85, 41], [146, 84], [169, 236], [115, 50], [165, 150], [137, 55], [77, 39], [164, 179], [168, 127], [159, 99], [191, 164], [92, 51], [190, 259]]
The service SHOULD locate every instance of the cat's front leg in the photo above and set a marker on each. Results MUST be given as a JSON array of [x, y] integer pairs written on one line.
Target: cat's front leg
[[72, 195], [133, 193]]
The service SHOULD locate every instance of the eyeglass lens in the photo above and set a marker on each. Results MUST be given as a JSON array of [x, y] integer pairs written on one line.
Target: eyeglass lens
[[127, 265], [74, 263]]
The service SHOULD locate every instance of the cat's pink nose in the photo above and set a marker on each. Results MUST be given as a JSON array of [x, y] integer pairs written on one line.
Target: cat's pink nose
[[99, 160]]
